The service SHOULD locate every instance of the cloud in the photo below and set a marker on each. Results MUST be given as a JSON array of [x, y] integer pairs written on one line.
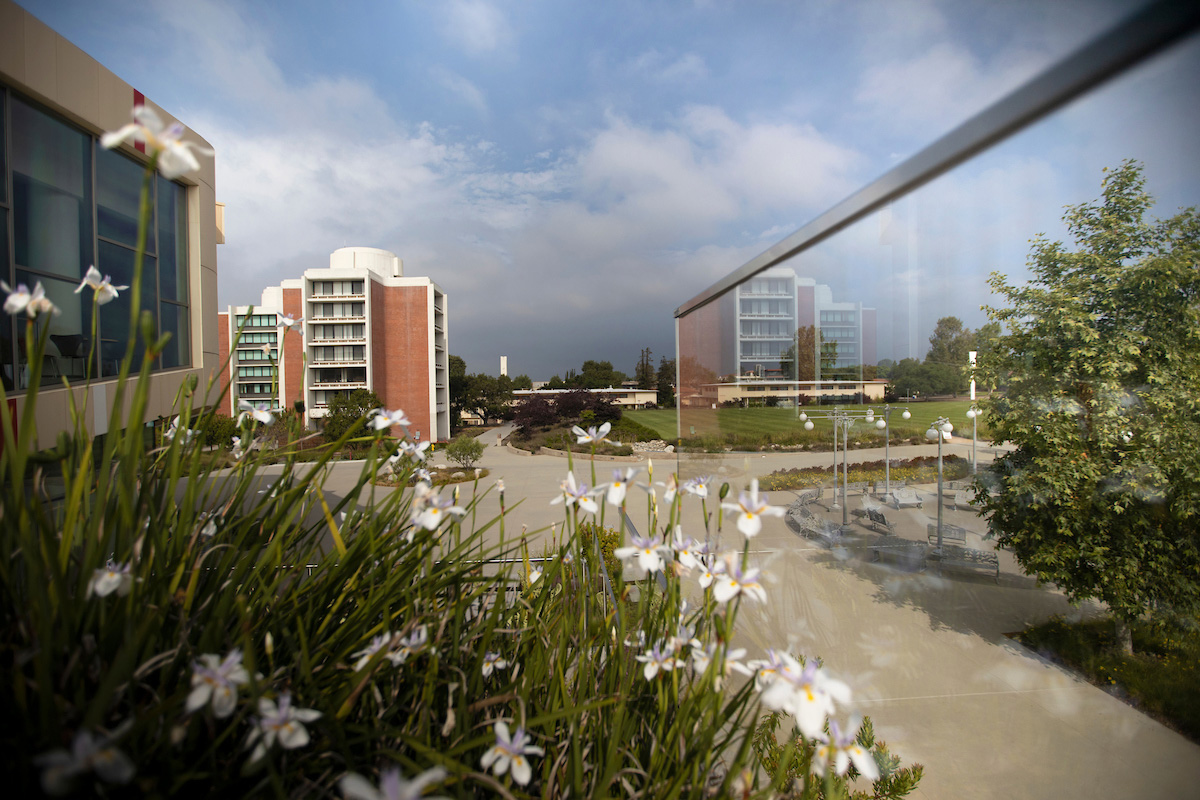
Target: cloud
[[476, 26], [466, 91], [659, 67]]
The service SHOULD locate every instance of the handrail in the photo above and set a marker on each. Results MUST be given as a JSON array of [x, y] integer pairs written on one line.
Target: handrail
[[1150, 30]]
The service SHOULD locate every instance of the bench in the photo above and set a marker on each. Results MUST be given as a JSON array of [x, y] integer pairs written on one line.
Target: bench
[[813, 528], [877, 519], [906, 497], [951, 534], [969, 560], [962, 497], [902, 551]]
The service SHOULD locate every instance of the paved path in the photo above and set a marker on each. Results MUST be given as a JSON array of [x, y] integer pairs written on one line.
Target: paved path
[[926, 656]]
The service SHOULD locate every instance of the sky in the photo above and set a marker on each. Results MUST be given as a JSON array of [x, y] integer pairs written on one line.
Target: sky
[[569, 173]]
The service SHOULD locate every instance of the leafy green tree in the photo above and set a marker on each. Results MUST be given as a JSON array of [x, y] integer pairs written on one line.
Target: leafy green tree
[[464, 450], [644, 374], [666, 381], [488, 396], [1102, 362], [595, 375], [556, 382], [347, 408], [522, 382], [948, 357], [458, 388]]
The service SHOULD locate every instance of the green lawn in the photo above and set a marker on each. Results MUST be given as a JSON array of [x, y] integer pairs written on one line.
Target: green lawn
[[781, 424]]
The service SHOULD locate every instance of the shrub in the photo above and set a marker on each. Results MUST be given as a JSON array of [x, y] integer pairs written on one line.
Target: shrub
[[627, 430], [535, 412], [464, 450], [219, 431]]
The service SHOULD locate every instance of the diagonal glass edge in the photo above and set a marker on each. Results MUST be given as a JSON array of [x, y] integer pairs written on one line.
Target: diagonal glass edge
[[1149, 31]]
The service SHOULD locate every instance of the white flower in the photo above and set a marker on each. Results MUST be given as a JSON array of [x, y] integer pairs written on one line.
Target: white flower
[[170, 432], [753, 508], [280, 723], [101, 285], [174, 156], [649, 552], [413, 451], [703, 655], [113, 578], [429, 510], [687, 552], [392, 785], [382, 419], [492, 661], [217, 679], [510, 751], [238, 451], [208, 523], [660, 657], [32, 303], [578, 495], [845, 749], [535, 575], [735, 581], [806, 692], [260, 412], [592, 435], [698, 485], [374, 647], [408, 646], [619, 486], [712, 568], [287, 320], [88, 754], [670, 489]]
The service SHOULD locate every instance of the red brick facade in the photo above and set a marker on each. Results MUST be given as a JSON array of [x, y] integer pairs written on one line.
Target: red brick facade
[[225, 406], [291, 377], [400, 343]]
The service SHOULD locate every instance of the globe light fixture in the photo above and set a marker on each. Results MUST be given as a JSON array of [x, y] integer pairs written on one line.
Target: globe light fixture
[[808, 425]]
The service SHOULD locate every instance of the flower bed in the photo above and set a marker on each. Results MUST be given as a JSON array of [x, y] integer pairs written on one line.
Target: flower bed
[[922, 469]]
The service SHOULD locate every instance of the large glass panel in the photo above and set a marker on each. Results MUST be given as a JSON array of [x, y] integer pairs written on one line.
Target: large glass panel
[[69, 338], [118, 197], [172, 240], [118, 261], [174, 320], [3, 156], [886, 568], [51, 174]]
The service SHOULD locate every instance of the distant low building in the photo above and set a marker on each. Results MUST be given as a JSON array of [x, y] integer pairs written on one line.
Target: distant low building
[[786, 393], [626, 398]]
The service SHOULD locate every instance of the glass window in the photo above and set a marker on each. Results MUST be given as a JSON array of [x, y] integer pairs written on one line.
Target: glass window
[[118, 195], [173, 319], [51, 175], [69, 338], [172, 240], [117, 261]]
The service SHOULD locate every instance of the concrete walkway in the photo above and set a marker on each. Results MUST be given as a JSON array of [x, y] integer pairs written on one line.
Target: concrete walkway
[[926, 655]]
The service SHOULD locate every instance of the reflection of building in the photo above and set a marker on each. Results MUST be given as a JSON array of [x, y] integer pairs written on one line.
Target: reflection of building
[[366, 326], [625, 397], [791, 327], [66, 203], [786, 393]]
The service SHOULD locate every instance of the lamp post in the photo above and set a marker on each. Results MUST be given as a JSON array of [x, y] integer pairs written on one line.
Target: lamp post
[[941, 431], [973, 415], [885, 425]]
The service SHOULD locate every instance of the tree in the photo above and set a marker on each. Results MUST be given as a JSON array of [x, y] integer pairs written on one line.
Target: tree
[[595, 375], [666, 381], [949, 349], [522, 382], [346, 409], [464, 450], [458, 388], [1102, 361], [644, 374], [487, 396]]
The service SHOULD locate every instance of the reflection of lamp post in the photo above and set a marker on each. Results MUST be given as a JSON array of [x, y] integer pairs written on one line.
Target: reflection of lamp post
[[941, 431], [973, 415], [885, 425]]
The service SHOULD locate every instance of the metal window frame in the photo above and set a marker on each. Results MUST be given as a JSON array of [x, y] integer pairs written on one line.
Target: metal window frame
[[1144, 34]]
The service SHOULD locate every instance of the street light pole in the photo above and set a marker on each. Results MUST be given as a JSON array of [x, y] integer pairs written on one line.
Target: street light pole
[[941, 431], [973, 415], [847, 421]]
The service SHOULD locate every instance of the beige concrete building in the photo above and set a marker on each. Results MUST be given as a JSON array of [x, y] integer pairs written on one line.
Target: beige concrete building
[[785, 393], [66, 204]]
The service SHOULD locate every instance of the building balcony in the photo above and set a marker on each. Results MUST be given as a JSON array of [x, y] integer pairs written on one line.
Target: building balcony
[[337, 362], [336, 385], [361, 318], [326, 298]]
